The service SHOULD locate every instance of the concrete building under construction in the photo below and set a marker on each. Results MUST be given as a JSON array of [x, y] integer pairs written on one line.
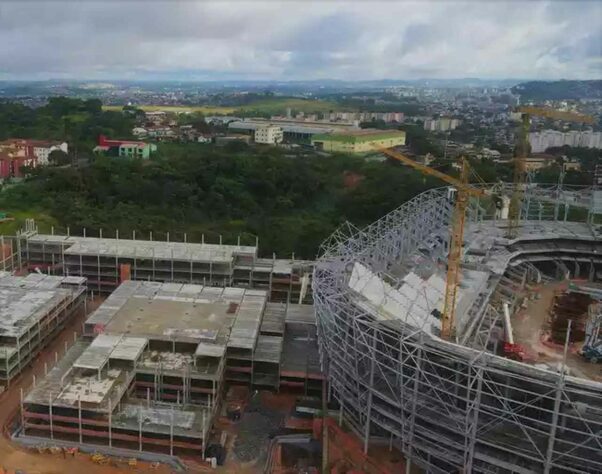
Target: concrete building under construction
[[106, 262], [33, 309], [150, 372]]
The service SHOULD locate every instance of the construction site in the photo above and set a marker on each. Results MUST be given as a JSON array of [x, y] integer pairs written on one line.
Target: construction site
[[460, 332], [509, 391], [512, 385], [33, 309], [168, 358], [150, 371], [106, 262]]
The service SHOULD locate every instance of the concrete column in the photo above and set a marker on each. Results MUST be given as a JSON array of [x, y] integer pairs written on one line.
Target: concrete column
[[139, 429], [22, 412], [3, 258], [110, 424], [203, 440], [50, 415], [171, 434], [557, 403], [79, 417]]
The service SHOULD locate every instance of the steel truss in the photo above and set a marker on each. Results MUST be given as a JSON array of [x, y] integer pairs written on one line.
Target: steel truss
[[446, 406]]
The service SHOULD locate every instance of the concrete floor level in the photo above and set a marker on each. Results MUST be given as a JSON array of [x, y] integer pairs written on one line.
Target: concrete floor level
[[149, 374], [32, 310], [106, 262]]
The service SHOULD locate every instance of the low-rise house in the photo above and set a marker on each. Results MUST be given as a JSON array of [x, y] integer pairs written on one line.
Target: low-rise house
[[139, 132], [539, 160], [125, 148], [160, 132], [155, 117], [571, 164]]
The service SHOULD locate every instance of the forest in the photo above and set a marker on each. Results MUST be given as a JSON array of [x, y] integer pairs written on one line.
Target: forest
[[291, 199], [292, 202], [76, 121]]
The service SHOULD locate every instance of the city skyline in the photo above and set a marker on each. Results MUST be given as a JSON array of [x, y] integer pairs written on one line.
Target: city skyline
[[249, 40]]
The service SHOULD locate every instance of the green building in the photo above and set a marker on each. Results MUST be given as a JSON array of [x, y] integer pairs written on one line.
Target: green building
[[359, 141], [137, 150]]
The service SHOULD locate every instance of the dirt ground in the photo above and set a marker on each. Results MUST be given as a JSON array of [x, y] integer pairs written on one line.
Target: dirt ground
[[243, 436], [529, 325], [13, 457]]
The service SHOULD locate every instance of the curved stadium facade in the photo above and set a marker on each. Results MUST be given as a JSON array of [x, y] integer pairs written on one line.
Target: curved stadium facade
[[457, 406]]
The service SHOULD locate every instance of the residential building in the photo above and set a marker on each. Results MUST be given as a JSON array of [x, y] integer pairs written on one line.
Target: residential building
[[155, 117], [537, 161], [42, 149], [541, 141], [360, 141], [36, 151], [571, 164], [160, 132], [139, 132], [10, 165], [17, 153], [135, 150], [442, 124], [125, 148], [486, 153], [365, 116], [269, 134]]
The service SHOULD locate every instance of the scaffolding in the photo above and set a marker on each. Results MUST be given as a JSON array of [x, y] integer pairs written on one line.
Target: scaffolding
[[457, 405]]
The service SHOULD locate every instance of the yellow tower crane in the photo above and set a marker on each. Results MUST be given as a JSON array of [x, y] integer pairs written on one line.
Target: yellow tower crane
[[464, 192], [522, 151]]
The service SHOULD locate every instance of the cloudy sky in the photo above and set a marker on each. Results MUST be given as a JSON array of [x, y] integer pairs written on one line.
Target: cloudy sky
[[293, 40]]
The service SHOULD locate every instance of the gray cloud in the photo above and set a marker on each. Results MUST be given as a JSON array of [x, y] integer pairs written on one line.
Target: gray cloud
[[300, 40]]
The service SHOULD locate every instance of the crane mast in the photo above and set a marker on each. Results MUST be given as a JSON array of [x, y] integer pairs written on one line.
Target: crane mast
[[522, 150], [463, 193]]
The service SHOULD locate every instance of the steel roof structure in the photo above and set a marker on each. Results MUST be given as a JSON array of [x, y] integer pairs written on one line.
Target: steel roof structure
[[453, 406]]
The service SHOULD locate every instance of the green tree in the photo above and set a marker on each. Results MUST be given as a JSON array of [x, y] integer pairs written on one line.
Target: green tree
[[58, 158]]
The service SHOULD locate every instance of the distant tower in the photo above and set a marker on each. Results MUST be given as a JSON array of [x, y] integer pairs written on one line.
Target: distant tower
[[289, 113]]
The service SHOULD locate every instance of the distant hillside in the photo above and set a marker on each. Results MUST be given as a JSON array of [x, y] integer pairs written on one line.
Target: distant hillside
[[558, 90]]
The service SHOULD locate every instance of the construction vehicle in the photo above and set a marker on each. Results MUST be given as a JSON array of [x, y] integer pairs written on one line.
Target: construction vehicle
[[522, 151], [464, 192], [593, 353], [511, 350], [592, 346], [98, 458]]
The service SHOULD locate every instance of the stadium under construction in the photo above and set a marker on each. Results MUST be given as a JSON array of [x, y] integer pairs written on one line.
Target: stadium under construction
[[183, 320], [462, 405]]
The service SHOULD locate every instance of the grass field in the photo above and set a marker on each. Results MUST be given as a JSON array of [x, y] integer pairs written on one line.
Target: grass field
[[184, 109], [44, 221], [272, 106]]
